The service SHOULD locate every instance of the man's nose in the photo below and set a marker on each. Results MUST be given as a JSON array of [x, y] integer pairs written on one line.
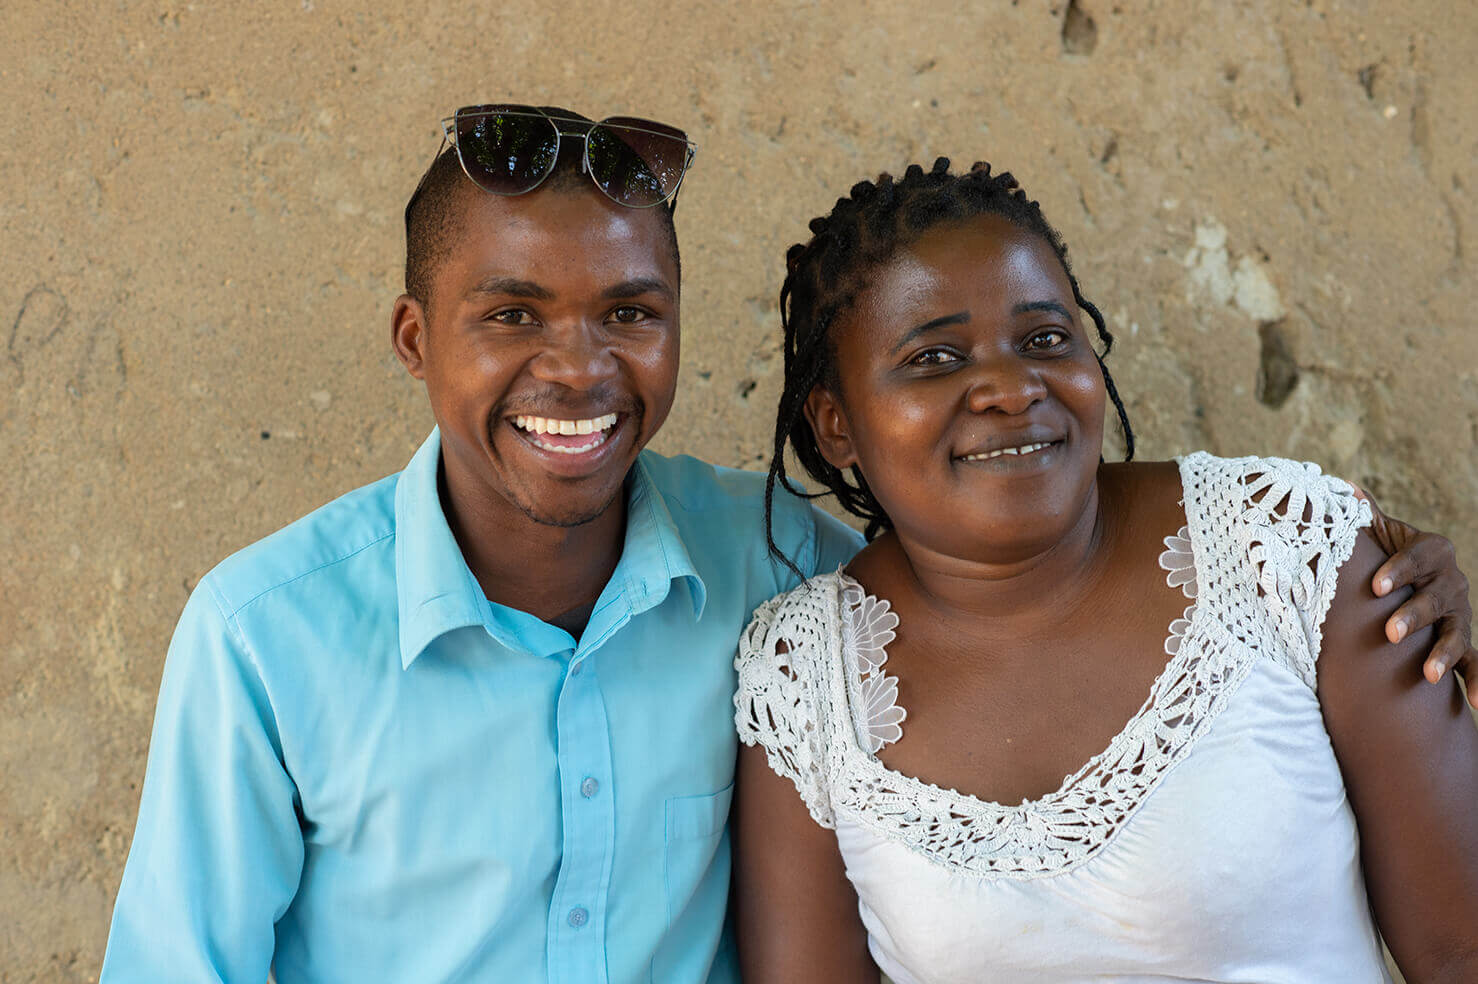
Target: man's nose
[[577, 355], [1007, 385]]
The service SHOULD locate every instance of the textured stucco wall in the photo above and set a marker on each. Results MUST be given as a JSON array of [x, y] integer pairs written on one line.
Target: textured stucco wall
[[199, 233]]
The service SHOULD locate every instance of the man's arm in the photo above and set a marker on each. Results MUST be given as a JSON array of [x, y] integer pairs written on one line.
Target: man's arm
[[217, 851], [1426, 562]]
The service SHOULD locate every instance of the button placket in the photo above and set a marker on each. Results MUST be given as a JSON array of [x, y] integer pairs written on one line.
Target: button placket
[[578, 906]]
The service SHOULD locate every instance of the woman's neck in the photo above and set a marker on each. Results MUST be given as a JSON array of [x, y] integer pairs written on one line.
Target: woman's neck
[[1016, 586]]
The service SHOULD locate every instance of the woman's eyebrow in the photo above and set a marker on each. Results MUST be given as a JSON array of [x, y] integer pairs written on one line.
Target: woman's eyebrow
[[958, 318], [1026, 306]]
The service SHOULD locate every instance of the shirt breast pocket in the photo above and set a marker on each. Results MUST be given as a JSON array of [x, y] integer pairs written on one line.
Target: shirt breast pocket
[[696, 874], [691, 818]]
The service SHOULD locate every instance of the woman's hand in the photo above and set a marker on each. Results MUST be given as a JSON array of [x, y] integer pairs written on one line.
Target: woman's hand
[[1427, 563]]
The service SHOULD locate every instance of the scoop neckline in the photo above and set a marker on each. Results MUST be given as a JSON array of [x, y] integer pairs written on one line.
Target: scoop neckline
[[1173, 668]]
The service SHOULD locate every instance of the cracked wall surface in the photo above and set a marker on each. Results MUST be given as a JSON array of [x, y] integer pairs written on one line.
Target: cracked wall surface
[[1272, 203]]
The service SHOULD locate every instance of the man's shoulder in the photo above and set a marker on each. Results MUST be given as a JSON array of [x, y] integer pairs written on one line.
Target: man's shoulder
[[699, 486], [317, 544], [721, 512]]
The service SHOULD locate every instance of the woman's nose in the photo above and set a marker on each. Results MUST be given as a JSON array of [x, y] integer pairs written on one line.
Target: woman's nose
[[1009, 386]]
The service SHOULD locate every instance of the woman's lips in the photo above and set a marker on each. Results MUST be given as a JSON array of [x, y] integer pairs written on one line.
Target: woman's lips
[[1026, 457], [1015, 450]]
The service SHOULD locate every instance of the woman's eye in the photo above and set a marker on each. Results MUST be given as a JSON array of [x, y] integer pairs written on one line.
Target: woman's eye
[[1044, 341], [934, 357]]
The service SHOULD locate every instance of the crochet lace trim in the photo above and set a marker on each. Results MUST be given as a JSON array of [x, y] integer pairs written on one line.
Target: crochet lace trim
[[1260, 554], [1179, 562], [868, 624], [866, 632]]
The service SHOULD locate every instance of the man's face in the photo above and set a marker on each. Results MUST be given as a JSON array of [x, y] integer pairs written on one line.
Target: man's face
[[549, 349]]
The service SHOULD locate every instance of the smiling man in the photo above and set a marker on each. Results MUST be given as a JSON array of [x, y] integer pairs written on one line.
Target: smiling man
[[473, 722]]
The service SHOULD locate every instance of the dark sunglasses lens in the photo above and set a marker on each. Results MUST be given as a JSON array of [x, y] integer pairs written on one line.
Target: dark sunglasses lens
[[637, 162], [506, 152]]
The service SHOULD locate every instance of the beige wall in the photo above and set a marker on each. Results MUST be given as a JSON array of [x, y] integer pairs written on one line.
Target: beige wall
[[200, 239]]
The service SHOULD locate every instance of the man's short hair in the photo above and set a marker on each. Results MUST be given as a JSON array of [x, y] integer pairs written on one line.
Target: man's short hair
[[434, 215]]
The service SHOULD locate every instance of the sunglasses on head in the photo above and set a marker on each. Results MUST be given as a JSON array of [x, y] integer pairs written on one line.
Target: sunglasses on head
[[510, 149]]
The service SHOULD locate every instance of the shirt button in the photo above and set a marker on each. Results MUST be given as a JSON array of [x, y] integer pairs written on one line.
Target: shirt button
[[589, 787], [578, 917], [575, 670]]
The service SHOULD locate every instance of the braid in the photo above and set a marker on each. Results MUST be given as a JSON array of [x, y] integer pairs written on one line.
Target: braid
[[824, 277]]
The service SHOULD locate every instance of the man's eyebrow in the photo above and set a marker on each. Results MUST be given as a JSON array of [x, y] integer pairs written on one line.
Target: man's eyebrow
[[513, 287], [636, 287], [1026, 306], [958, 318]]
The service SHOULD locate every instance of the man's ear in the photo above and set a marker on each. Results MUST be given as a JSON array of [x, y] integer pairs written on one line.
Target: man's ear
[[408, 334], [829, 423]]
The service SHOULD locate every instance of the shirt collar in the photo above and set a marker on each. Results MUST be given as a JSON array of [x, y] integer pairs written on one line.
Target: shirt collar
[[438, 594], [654, 554], [436, 590]]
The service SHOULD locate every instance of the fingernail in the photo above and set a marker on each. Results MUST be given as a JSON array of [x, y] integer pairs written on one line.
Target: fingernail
[[1402, 627], [1441, 667], [1385, 585]]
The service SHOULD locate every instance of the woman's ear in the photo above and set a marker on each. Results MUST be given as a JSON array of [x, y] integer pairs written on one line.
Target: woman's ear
[[829, 423]]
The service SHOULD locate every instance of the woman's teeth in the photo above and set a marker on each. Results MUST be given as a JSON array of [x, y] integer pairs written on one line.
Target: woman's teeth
[[598, 427], [1023, 449]]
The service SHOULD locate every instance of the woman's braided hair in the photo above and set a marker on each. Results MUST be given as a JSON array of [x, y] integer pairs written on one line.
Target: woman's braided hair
[[824, 277]]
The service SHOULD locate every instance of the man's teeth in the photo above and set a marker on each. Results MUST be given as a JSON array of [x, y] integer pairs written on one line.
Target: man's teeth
[[549, 425], [598, 427], [1023, 449]]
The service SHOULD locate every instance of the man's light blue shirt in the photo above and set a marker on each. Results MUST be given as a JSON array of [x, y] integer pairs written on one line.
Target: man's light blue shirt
[[363, 770]]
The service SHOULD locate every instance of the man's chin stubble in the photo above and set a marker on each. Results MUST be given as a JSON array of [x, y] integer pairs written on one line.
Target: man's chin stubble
[[568, 520]]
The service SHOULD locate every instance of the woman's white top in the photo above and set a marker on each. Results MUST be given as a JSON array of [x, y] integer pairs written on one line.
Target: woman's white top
[[1211, 840]]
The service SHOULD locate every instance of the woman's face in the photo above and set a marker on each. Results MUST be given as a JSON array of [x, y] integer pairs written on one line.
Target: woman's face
[[971, 398]]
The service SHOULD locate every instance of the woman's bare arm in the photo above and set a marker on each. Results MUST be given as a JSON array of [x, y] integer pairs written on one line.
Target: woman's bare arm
[[1409, 755], [795, 912]]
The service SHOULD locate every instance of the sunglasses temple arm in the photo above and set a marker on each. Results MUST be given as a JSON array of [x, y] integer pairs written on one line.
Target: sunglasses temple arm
[[672, 202], [426, 174]]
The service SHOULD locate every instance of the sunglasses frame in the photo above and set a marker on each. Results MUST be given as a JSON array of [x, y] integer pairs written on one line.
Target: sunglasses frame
[[566, 127]]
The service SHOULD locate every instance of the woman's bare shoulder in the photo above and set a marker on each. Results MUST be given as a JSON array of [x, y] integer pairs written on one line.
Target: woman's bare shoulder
[[1148, 492]]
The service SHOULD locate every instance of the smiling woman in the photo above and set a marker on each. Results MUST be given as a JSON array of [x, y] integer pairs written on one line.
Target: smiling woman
[[1010, 624], [994, 470]]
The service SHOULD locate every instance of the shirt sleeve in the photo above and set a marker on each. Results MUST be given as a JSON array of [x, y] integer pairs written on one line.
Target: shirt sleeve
[[777, 705], [217, 852], [836, 542], [1301, 527]]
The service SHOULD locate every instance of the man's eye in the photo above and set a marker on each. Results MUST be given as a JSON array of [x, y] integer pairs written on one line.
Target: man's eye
[[628, 315], [512, 316], [1044, 341]]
